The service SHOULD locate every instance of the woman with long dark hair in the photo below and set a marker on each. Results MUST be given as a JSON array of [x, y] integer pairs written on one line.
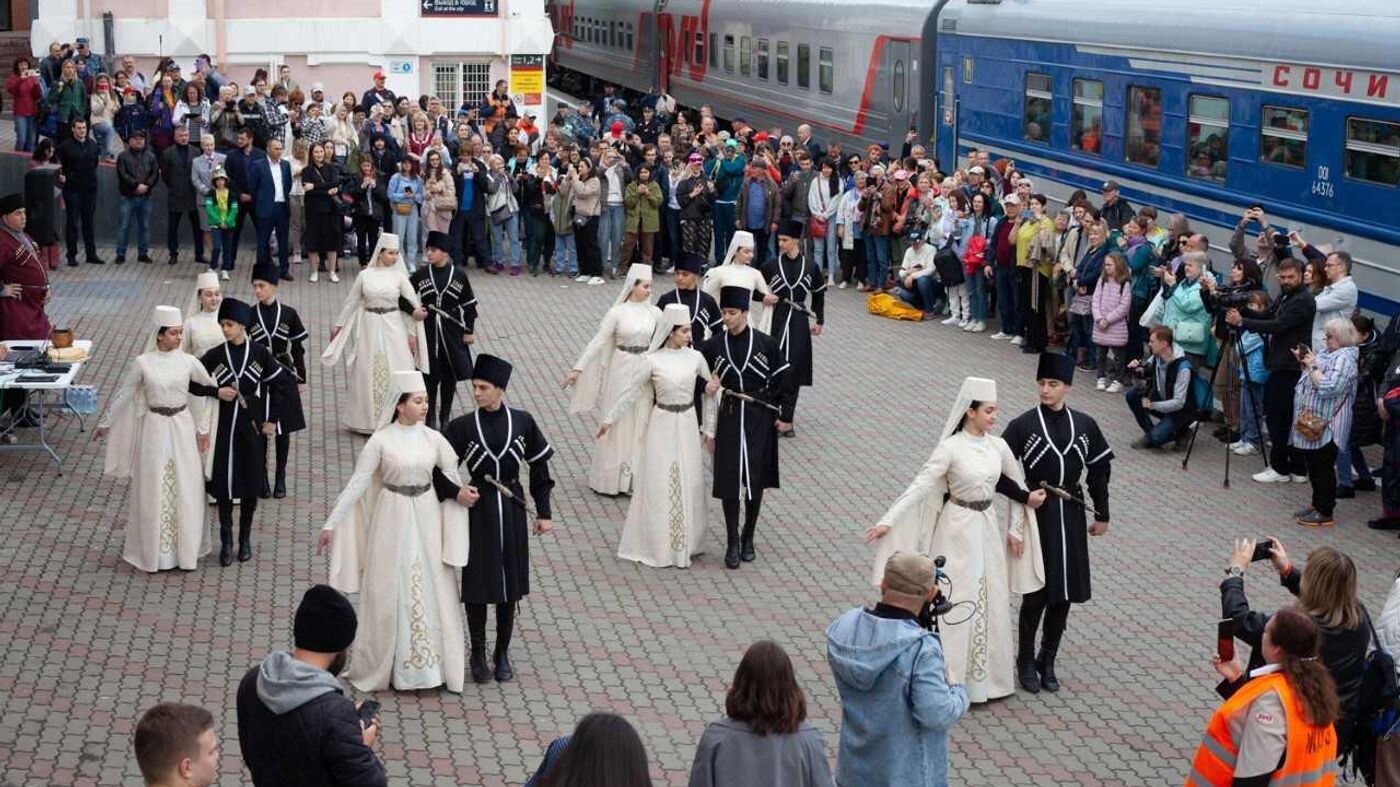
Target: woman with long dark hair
[[604, 751], [323, 233], [764, 740], [585, 191]]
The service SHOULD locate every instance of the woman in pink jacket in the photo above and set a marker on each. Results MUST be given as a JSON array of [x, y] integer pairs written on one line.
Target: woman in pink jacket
[[1112, 300]]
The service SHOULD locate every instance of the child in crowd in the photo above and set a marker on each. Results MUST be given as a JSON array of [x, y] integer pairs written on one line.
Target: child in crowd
[[1112, 301], [1252, 388], [221, 207]]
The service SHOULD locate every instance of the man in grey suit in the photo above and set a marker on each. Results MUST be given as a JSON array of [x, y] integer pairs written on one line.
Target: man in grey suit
[[201, 175], [177, 170]]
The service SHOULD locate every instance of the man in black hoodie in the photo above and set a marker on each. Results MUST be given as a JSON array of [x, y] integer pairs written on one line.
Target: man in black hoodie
[[294, 724]]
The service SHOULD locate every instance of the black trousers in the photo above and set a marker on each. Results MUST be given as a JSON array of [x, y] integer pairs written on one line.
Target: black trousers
[[1033, 607], [731, 515], [590, 257], [366, 235], [1278, 417], [760, 245], [283, 445], [473, 239], [442, 389], [280, 224], [505, 625], [172, 233], [247, 507], [245, 214], [789, 409], [81, 206], [1322, 476]]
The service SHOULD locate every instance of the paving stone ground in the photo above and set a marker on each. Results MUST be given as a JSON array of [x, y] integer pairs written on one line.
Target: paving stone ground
[[89, 642]]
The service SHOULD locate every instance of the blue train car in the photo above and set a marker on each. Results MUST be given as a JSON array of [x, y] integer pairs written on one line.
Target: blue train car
[[1200, 107]]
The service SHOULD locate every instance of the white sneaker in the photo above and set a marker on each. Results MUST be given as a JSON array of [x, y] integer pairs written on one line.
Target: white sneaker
[[1236, 444], [968, 326], [979, 327], [223, 275], [334, 278], [1019, 341], [1000, 335], [1244, 449], [841, 286], [963, 322], [1114, 387], [595, 281], [315, 276], [296, 259], [950, 321], [1300, 479], [581, 280], [1101, 385], [1269, 476]]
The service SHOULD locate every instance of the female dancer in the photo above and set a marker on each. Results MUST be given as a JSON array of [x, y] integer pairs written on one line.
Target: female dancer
[[608, 364], [970, 465], [202, 332], [384, 319], [666, 519], [737, 271]]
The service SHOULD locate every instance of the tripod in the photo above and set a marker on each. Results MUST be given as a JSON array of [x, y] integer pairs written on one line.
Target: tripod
[[1238, 363]]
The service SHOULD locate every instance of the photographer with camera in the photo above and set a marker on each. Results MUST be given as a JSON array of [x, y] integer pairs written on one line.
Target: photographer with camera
[[1286, 325], [897, 702], [1270, 248], [1240, 283], [1165, 393]]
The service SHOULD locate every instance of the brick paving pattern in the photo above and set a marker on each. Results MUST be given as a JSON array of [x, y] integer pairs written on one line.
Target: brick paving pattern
[[89, 642]]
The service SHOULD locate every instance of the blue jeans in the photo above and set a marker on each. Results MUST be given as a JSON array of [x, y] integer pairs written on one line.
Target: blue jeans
[[223, 246], [1160, 433], [877, 260], [925, 294], [26, 133], [825, 252], [507, 241], [141, 207], [406, 227], [566, 254], [1252, 408], [724, 229], [102, 135], [1007, 307], [672, 219], [1348, 459], [1081, 337], [977, 296], [612, 225]]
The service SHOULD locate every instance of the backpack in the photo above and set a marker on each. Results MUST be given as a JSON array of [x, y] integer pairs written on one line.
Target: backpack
[[976, 254], [1375, 712]]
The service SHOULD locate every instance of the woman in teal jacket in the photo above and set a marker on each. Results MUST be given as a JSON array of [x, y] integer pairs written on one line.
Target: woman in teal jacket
[[1186, 315]]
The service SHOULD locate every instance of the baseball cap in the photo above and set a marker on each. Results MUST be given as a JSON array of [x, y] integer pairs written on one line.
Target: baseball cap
[[695, 158], [1109, 185], [1011, 199], [731, 143], [978, 170], [379, 75], [909, 577], [249, 90], [81, 41], [317, 87]]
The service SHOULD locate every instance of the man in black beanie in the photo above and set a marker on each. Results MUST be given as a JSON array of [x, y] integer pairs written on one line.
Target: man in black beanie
[[294, 724]]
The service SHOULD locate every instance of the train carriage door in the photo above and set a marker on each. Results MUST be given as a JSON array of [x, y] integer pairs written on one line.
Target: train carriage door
[[946, 124], [662, 46], [898, 64]]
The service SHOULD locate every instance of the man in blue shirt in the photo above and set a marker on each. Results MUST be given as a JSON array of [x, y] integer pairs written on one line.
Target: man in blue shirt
[[758, 208]]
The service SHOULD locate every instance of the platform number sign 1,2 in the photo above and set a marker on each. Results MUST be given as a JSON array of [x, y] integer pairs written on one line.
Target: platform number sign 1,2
[[457, 7], [1322, 186]]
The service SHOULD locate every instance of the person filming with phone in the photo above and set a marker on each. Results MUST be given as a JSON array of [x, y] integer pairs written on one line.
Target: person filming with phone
[[1325, 588]]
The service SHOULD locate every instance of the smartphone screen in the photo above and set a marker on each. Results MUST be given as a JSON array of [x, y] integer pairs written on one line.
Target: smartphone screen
[[1225, 639], [1261, 550], [368, 710]]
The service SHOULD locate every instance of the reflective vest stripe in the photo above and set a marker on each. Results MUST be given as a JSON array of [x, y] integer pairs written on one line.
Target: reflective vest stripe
[[1308, 758]]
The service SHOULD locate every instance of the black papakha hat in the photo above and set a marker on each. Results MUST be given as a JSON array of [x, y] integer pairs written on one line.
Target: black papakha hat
[[491, 369], [325, 621], [1054, 366], [735, 298]]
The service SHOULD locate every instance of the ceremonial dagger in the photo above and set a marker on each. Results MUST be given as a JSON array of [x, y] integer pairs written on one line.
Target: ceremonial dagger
[[432, 307], [1063, 495], [745, 397], [505, 490]]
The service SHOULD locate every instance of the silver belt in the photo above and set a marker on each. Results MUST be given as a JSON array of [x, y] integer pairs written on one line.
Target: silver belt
[[633, 350], [167, 411], [676, 408], [380, 309], [409, 491], [972, 505]]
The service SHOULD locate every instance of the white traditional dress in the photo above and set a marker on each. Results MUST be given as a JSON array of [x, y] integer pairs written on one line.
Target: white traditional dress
[[740, 274], [666, 519], [396, 545], [609, 364], [202, 331], [154, 422], [374, 338], [981, 651]]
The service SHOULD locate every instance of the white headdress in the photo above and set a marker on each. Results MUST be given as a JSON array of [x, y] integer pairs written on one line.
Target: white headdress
[[387, 240], [162, 317], [400, 383], [208, 280], [974, 389], [741, 239], [672, 317], [635, 273]]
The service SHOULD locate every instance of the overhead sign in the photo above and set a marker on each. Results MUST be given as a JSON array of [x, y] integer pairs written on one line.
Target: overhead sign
[[400, 67], [527, 78], [458, 7], [1347, 83]]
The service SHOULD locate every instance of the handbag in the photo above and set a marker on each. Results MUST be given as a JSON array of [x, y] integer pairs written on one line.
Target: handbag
[[1152, 317], [949, 267], [1311, 426], [443, 203], [403, 208], [816, 227], [501, 215], [1189, 332]]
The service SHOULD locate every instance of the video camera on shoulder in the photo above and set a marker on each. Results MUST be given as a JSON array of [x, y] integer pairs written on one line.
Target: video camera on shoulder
[[940, 605]]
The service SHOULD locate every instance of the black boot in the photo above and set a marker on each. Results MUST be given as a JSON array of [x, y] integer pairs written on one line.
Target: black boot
[[1045, 665], [476, 632], [279, 490], [1056, 616], [245, 546], [505, 627], [266, 491], [731, 533], [481, 671], [746, 552], [282, 448], [225, 545], [505, 673], [1025, 653]]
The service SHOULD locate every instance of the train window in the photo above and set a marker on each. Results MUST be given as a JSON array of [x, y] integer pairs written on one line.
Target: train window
[[714, 50], [804, 66], [1143, 138], [729, 54], [1207, 137], [967, 69], [630, 40], [745, 52], [1086, 117], [699, 59], [1373, 151], [783, 62], [762, 58], [614, 39], [1283, 136], [825, 69], [897, 86], [1037, 105]]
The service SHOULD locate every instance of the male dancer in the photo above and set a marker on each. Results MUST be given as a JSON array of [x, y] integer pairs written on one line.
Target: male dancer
[[445, 291], [1056, 446], [497, 442], [704, 312], [792, 277], [250, 387], [750, 376], [278, 327]]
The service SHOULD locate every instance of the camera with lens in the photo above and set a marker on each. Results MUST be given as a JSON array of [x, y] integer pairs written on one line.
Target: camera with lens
[[940, 605], [1233, 297]]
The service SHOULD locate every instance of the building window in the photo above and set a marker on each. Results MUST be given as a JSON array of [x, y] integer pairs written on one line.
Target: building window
[[1283, 136], [804, 66], [762, 58], [782, 62], [699, 49], [729, 54], [714, 50], [1035, 116], [745, 51], [1373, 151], [825, 69], [1143, 137], [1086, 116], [461, 83], [1207, 137]]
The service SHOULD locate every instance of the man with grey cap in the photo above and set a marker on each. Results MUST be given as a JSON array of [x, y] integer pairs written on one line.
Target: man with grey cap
[[897, 700]]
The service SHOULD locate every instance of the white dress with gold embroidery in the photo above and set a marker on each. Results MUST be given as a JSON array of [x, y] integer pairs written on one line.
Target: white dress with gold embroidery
[[397, 546], [666, 519], [154, 422], [615, 356], [374, 338]]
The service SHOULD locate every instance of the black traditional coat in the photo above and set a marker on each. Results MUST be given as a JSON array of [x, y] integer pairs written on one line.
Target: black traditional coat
[[1061, 447], [239, 461], [278, 327], [704, 312], [746, 444], [792, 279], [499, 444], [449, 289]]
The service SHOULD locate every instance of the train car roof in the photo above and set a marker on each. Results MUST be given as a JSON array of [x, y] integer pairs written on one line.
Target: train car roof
[[898, 17], [1358, 34]]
